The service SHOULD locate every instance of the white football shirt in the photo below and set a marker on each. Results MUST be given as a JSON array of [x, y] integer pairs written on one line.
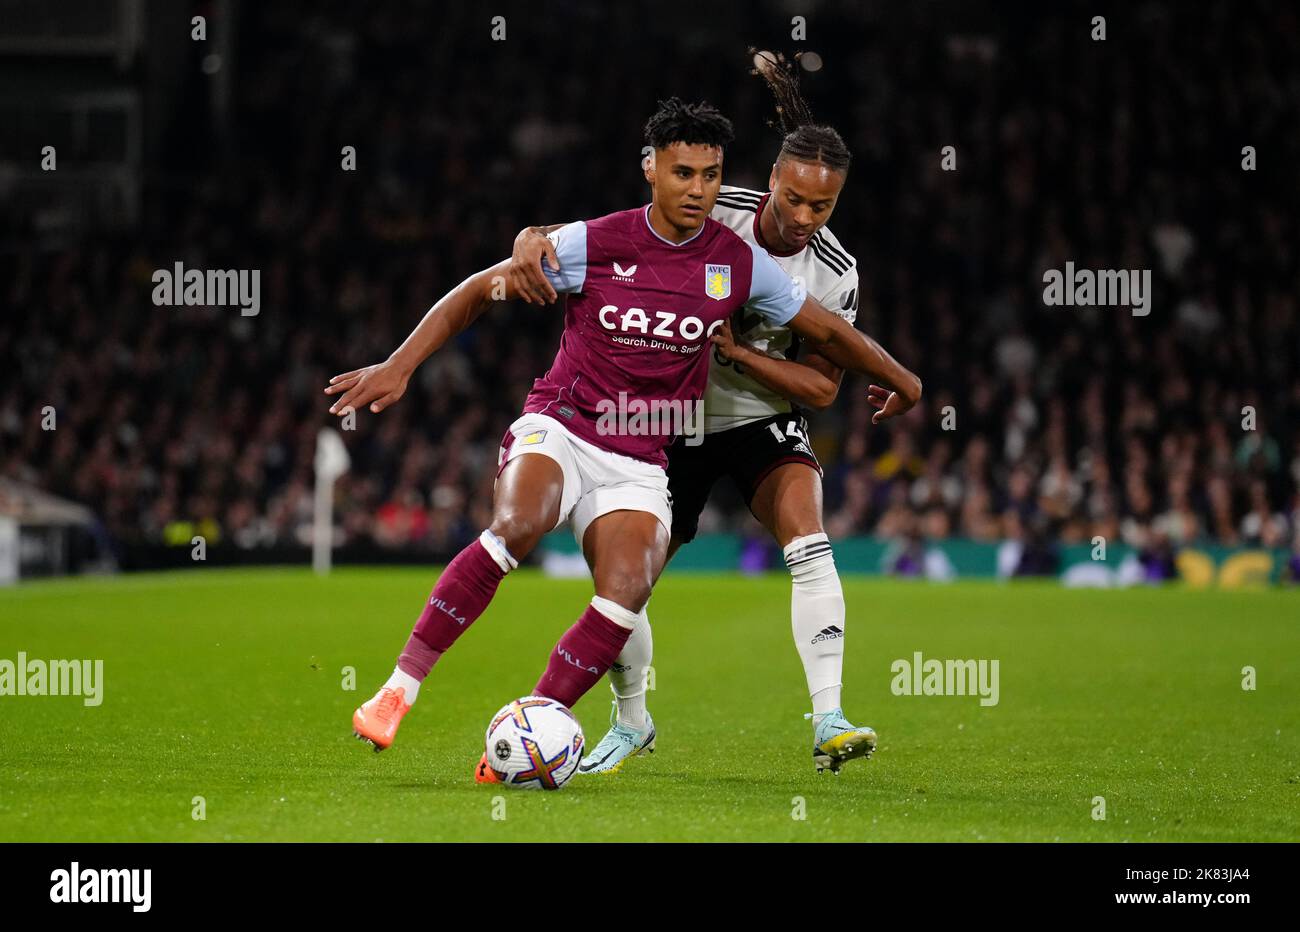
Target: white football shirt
[[828, 273]]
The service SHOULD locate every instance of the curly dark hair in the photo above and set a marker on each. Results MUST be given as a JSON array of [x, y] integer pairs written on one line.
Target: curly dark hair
[[692, 124]]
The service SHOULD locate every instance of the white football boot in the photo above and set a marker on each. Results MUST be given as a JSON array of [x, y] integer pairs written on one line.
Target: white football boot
[[620, 743]]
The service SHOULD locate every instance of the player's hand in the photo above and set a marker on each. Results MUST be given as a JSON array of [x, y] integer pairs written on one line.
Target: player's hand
[[887, 404], [377, 386], [525, 273], [726, 343]]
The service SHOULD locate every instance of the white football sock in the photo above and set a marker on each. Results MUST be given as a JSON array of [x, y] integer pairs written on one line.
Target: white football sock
[[627, 677], [817, 618], [405, 681]]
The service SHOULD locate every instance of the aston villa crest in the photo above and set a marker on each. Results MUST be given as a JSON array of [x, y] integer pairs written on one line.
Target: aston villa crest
[[717, 281]]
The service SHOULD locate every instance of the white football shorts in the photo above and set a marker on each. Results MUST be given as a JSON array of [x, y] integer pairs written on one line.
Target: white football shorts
[[596, 481]]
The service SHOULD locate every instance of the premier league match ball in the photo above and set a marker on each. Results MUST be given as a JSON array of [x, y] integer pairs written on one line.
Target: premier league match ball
[[534, 743]]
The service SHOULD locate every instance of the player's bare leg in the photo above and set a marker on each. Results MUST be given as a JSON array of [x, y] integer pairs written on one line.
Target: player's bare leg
[[626, 551], [525, 505], [788, 502]]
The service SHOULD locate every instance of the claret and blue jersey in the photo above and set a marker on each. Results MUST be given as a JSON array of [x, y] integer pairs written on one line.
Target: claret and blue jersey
[[640, 314]]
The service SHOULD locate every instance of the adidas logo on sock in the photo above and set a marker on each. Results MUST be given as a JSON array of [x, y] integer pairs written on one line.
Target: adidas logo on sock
[[828, 634]]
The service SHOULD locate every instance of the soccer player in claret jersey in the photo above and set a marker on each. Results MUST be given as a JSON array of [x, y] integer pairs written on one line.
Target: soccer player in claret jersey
[[753, 435], [558, 464]]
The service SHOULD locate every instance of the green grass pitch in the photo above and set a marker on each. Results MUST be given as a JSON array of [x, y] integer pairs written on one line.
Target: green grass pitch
[[228, 685]]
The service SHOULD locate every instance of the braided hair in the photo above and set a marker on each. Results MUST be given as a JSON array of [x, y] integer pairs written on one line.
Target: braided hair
[[804, 139]]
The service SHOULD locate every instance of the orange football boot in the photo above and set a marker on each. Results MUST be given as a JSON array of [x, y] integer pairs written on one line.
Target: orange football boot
[[377, 720], [485, 774]]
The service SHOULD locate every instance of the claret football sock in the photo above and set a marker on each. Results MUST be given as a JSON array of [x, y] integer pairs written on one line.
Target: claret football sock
[[462, 593], [817, 617], [586, 651]]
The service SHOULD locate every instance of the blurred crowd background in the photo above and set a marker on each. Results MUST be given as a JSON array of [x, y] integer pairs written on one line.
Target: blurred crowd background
[[1067, 422]]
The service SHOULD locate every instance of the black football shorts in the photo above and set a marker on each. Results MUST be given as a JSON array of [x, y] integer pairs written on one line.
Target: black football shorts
[[745, 454]]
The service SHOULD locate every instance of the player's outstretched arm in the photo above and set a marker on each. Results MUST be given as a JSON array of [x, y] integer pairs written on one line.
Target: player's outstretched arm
[[806, 385], [532, 245], [848, 347], [384, 383]]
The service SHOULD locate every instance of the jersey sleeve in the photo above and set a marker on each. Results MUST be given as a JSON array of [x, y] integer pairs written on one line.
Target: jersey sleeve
[[570, 243], [772, 293], [842, 297]]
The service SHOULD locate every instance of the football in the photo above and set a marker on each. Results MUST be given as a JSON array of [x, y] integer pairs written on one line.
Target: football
[[534, 743]]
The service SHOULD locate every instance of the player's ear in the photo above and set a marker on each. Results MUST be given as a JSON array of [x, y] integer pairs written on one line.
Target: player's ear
[[648, 164], [771, 179]]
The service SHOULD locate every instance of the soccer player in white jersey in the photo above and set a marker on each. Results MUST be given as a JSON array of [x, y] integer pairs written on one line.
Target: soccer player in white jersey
[[754, 435]]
